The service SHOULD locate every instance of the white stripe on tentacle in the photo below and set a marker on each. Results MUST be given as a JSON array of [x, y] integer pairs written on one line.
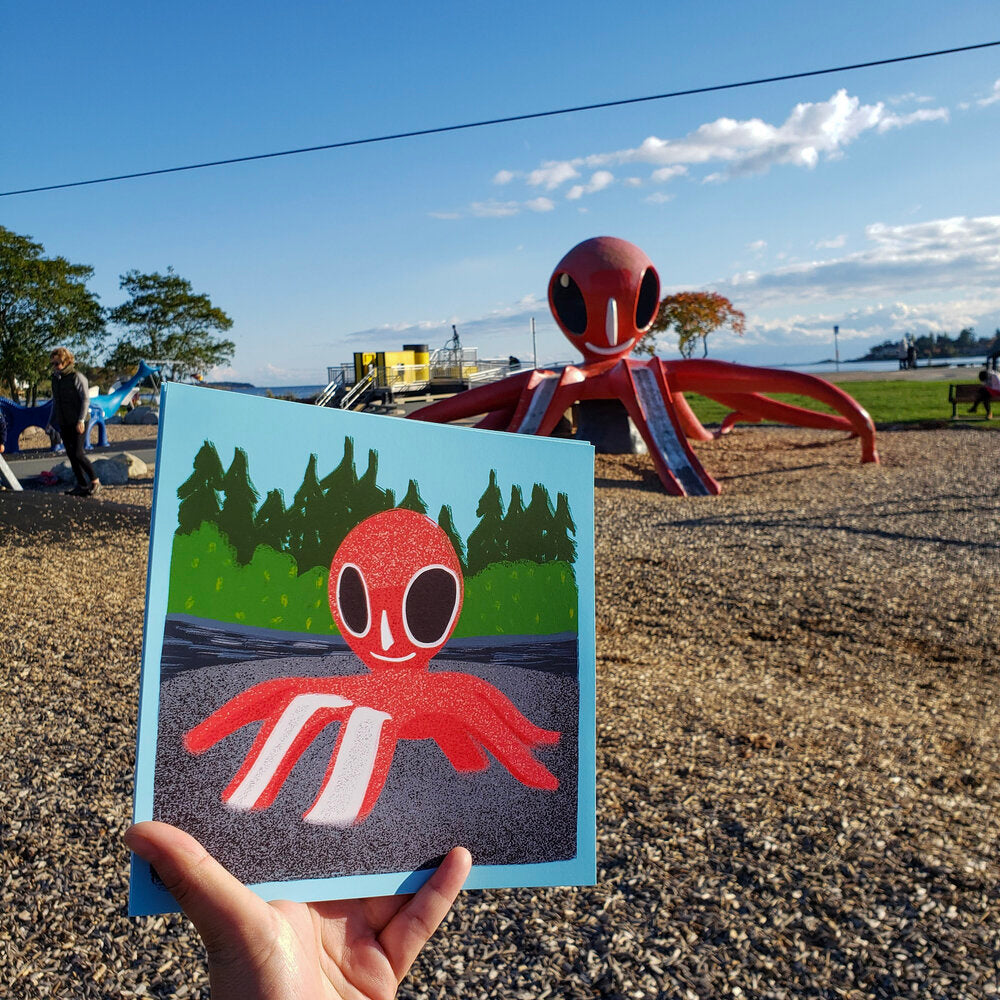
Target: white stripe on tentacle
[[278, 743], [343, 794]]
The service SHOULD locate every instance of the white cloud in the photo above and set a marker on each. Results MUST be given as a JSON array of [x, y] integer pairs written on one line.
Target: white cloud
[[599, 180], [540, 205], [758, 246], [552, 175], [659, 197], [913, 118], [725, 149], [956, 253], [812, 131], [835, 243], [664, 174], [992, 98]]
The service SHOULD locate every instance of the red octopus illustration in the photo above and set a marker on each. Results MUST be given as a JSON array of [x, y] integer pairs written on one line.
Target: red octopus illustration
[[395, 592], [604, 295]]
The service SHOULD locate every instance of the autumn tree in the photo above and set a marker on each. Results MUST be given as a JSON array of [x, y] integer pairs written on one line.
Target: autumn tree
[[44, 303], [166, 321], [692, 316]]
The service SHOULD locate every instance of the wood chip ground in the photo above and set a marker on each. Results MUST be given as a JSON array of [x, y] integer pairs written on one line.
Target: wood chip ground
[[798, 733]]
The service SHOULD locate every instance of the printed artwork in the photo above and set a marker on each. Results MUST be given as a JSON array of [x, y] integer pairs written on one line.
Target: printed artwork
[[339, 686]]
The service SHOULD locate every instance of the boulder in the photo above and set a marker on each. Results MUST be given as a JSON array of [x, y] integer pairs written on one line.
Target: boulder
[[117, 470], [142, 415], [112, 470]]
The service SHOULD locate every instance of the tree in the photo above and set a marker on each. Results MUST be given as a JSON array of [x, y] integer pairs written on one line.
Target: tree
[[199, 493], [559, 545], [447, 524], [236, 518], [692, 316], [44, 303], [485, 543], [413, 500], [513, 527], [167, 322]]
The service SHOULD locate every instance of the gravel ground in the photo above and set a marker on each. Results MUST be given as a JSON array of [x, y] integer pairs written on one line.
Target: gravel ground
[[798, 764]]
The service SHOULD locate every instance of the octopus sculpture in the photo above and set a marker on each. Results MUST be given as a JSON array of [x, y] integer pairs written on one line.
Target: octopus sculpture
[[395, 592], [604, 295]]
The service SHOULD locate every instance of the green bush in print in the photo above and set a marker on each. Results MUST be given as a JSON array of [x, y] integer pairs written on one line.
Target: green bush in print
[[207, 582]]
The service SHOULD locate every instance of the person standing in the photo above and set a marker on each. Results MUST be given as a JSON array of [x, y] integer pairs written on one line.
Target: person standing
[[903, 352], [70, 408]]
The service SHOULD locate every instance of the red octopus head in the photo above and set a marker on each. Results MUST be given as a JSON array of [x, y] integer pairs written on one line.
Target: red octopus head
[[396, 590], [604, 295]]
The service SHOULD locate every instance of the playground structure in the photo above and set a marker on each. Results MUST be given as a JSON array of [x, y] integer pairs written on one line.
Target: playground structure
[[604, 295], [102, 407]]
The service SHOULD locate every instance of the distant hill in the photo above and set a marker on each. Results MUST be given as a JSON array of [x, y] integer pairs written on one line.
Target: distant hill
[[965, 345]]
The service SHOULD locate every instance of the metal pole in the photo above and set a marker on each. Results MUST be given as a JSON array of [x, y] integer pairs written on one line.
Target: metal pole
[[836, 346], [534, 346]]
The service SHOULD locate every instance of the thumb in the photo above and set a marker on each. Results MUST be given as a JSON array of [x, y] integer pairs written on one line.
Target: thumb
[[225, 912]]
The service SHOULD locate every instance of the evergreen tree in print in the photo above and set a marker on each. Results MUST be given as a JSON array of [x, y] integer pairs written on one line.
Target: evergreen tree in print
[[514, 528], [236, 519], [199, 493], [447, 525], [486, 540], [537, 523], [413, 500], [304, 542], [271, 522], [559, 546]]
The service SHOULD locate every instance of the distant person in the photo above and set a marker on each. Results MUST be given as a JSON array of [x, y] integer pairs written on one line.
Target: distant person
[[989, 391], [276, 951], [911, 356], [3, 431], [903, 353], [70, 408]]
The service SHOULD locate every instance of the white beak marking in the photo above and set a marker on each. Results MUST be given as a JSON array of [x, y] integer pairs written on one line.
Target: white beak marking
[[611, 322], [387, 639]]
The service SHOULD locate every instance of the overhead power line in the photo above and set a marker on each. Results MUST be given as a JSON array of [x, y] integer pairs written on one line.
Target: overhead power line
[[438, 130]]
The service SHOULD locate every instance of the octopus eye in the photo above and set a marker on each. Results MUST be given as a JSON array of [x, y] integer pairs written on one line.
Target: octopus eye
[[568, 303], [431, 605], [352, 601], [648, 300]]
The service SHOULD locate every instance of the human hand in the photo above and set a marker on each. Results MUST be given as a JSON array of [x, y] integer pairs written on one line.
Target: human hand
[[80, 426], [352, 948]]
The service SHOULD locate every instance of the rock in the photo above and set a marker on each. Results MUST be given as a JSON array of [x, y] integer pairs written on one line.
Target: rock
[[117, 470], [63, 472], [142, 415]]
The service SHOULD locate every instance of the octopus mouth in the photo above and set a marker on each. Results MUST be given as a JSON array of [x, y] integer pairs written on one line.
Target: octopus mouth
[[617, 349], [394, 659]]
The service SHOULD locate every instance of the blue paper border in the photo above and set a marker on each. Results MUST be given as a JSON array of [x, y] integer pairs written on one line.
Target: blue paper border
[[234, 414]]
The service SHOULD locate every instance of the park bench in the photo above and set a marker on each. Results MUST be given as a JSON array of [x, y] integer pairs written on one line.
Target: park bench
[[965, 393]]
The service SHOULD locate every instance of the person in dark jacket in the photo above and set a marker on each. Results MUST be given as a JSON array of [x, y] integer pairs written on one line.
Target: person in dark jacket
[[70, 408], [3, 431]]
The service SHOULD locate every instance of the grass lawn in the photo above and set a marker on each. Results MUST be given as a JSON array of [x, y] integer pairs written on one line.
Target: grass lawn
[[889, 402]]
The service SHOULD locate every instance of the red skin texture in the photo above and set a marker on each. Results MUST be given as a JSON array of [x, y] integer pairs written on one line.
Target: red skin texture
[[464, 715]]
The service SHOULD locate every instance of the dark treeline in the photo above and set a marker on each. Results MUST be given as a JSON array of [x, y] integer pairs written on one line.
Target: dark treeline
[[938, 345], [324, 510]]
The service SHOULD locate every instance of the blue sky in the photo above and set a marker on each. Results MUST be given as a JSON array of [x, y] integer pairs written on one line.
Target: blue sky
[[866, 199]]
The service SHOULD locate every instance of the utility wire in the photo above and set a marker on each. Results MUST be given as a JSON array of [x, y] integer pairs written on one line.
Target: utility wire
[[503, 121]]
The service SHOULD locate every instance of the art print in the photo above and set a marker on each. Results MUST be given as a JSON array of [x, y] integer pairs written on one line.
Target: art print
[[367, 640]]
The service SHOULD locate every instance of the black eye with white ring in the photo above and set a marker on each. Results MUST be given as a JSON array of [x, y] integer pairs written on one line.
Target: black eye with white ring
[[430, 605], [568, 302], [648, 299], [352, 600]]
